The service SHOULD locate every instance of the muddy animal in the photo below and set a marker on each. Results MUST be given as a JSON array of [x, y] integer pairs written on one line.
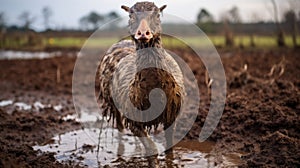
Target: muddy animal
[[141, 65]]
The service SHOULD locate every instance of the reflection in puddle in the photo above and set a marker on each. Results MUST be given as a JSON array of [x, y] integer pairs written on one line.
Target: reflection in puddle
[[81, 146]]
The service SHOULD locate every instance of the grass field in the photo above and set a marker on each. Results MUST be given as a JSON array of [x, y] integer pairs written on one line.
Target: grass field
[[78, 42]]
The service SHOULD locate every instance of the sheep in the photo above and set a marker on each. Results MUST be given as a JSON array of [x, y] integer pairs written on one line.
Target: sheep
[[134, 82]]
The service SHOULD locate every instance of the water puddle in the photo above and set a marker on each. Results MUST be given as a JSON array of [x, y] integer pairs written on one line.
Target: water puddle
[[84, 118], [8, 54], [27, 55], [89, 147], [79, 146], [5, 103], [35, 106]]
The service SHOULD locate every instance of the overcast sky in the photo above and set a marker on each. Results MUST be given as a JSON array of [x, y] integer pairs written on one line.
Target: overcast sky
[[66, 13]]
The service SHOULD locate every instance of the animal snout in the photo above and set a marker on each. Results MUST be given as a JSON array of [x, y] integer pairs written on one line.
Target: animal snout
[[143, 32]]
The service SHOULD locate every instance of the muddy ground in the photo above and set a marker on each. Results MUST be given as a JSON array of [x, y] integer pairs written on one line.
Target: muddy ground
[[260, 119]]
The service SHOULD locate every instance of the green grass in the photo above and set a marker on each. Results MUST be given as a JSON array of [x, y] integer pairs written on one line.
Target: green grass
[[65, 41], [105, 42], [259, 41], [80, 41]]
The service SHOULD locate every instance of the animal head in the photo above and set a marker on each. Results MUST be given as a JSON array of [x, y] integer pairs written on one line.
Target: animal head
[[144, 22]]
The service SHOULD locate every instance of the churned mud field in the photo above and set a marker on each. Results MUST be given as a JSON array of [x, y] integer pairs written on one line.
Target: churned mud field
[[259, 126]]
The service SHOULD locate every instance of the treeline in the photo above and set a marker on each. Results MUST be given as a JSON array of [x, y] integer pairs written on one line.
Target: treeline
[[231, 23], [89, 21]]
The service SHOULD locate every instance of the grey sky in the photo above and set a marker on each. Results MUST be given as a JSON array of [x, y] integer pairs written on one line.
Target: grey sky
[[66, 13]]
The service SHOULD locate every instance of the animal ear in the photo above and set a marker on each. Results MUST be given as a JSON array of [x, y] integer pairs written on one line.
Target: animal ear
[[162, 8], [126, 8]]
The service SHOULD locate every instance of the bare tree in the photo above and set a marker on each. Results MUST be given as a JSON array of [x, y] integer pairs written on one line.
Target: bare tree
[[231, 16], [229, 39], [204, 16], [47, 13], [291, 19], [26, 19], [236, 18], [280, 35], [205, 20], [234, 14]]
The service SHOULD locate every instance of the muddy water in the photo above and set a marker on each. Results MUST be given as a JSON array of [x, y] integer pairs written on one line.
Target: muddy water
[[92, 148], [79, 146]]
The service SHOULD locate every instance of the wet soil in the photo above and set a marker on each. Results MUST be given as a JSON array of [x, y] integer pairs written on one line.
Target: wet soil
[[260, 121]]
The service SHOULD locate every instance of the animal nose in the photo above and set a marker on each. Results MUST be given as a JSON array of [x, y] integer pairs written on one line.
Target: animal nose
[[143, 32]]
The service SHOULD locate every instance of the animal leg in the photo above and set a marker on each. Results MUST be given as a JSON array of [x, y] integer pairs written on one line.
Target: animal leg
[[120, 145], [169, 144], [120, 127], [150, 147], [169, 130], [119, 120]]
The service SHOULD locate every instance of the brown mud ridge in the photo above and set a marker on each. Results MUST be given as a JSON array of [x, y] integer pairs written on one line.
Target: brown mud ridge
[[260, 119]]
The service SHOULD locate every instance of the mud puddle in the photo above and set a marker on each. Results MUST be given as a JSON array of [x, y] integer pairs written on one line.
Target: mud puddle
[[92, 148]]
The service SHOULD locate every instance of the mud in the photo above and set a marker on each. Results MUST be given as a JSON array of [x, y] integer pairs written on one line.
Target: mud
[[259, 127]]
